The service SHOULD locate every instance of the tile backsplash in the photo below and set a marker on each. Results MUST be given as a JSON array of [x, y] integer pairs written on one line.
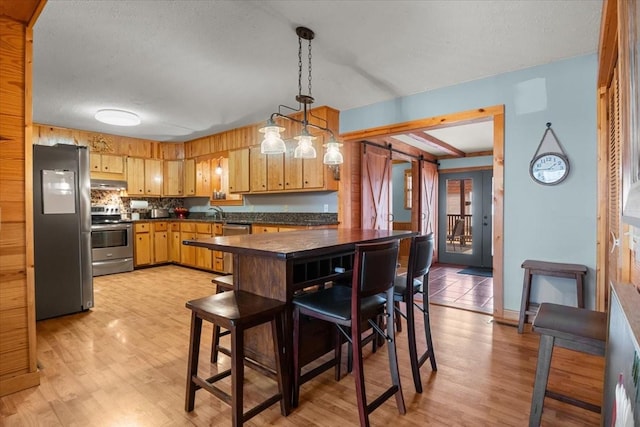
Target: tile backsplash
[[112, 197]]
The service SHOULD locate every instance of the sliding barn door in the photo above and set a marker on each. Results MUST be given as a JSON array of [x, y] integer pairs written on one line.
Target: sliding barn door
[[376, 188], [428, 197]]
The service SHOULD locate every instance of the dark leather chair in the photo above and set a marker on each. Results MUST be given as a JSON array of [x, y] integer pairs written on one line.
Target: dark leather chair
[[405, 288], [371, 293]]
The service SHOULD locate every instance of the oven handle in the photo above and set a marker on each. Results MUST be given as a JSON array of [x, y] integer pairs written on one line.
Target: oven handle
[[102, 227]]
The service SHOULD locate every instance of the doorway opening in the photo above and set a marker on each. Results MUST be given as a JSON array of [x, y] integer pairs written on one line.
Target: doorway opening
[[370, 151]]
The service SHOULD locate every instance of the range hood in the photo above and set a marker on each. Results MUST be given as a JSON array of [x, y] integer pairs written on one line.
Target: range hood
[[108, 184]]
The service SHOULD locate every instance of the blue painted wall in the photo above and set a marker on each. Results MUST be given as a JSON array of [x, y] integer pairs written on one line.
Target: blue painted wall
[[553, 223], [400, 214]]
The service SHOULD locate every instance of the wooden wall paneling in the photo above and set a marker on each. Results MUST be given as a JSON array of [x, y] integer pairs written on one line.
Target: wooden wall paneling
[[215, 142], [198, 147], [12, 68], [20, 11], [18, 369], [11, 137], [498, 213], [171, 150]]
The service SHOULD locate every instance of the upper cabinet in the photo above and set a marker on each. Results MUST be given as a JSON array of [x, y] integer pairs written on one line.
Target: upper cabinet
[[173, 178], [106, 166], [238, 171], [281, 173], [106, 163], [203, 178], [190, 177], [153, 177], [144, 177], [135, 176]]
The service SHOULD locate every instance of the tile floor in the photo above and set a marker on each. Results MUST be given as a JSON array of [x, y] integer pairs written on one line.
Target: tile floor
[[448, 288]]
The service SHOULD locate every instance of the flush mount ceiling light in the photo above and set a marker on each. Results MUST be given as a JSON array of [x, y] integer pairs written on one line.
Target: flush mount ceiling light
[[117, 117], [273, 143]]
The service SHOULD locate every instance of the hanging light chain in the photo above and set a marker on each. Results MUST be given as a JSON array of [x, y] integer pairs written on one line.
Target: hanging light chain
[[310, 68], [299, 66]]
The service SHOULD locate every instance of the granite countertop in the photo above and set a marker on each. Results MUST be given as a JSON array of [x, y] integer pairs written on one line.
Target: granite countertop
[[312, 219]]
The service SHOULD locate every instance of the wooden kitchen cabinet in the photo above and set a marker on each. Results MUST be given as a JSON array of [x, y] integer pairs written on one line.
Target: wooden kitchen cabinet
[[313, 170], [135, 176], [292, 168], [175, 243], [218, 256], [267, 171], [190, 177], [258, 170], [142, 244], [204, 257], [203, 178], [173, 178], [107, 163], [153, 177], [257, 229], [160, 242], [187, 253], [239, 171]]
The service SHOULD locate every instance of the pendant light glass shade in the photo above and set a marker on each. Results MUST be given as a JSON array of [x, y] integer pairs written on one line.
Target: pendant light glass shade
[[305, 149], [333, 156], [272, 142]]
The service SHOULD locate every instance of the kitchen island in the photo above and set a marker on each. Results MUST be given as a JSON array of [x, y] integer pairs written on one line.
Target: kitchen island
[[279, 267]]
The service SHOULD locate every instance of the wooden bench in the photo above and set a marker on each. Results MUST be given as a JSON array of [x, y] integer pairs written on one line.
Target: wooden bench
[[573, 328], [555, 269]]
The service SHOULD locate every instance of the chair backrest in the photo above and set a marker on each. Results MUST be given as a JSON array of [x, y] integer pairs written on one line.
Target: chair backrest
[[374, 269], [458, 228], [420, 256]]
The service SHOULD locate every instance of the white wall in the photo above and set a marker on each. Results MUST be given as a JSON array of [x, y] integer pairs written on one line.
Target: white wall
[[551, 223]]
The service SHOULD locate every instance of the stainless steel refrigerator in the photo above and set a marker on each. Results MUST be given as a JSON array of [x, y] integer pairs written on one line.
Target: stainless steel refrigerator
[[62, 230]]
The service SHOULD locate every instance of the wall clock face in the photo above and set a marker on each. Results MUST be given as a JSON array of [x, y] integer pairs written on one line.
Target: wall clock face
[[549, 168]]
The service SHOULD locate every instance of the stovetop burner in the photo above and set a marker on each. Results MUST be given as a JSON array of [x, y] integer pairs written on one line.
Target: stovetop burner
[[106, 214]]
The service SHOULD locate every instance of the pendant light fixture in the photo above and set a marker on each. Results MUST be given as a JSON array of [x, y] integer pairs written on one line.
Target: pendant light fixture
[[273, 143]]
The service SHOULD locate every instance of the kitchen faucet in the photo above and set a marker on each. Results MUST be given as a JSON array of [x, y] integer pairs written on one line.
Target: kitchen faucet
[[219, 213]]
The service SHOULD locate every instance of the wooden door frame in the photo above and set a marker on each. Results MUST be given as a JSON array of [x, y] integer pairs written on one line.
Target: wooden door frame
[[349, 194]]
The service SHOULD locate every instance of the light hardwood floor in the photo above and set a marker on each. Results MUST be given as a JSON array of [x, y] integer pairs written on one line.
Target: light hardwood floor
[[124, 364]]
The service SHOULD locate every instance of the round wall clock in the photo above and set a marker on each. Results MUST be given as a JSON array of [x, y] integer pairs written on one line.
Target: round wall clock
[[550, 164], [549, 168]]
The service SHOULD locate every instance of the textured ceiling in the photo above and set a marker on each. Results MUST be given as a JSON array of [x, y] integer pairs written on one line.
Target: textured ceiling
[[193, 68]]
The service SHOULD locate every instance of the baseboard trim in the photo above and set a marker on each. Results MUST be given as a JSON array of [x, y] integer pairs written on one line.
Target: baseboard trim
[[19, 382]]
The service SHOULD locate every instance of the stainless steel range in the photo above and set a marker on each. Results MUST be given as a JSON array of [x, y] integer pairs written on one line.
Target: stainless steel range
[[111, 241]]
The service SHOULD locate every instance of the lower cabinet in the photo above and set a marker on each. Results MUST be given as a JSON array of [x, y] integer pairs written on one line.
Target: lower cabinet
[[160, 242], [204, 257], [175, 244], [142, 244], [187, 253], [151, 243]]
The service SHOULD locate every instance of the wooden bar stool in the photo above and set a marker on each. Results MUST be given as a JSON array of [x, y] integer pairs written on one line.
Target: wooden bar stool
[[237, 311], [555, 269], [223, 284], [574, 328]]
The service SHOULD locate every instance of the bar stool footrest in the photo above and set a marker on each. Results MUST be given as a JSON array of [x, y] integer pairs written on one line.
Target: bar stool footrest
[[573, 401]]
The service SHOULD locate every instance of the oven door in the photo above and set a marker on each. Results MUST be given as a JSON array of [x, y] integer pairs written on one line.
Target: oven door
[[111, 241]]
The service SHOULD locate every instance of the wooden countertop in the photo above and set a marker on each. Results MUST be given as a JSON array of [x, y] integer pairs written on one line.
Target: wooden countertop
[[297, 244]]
